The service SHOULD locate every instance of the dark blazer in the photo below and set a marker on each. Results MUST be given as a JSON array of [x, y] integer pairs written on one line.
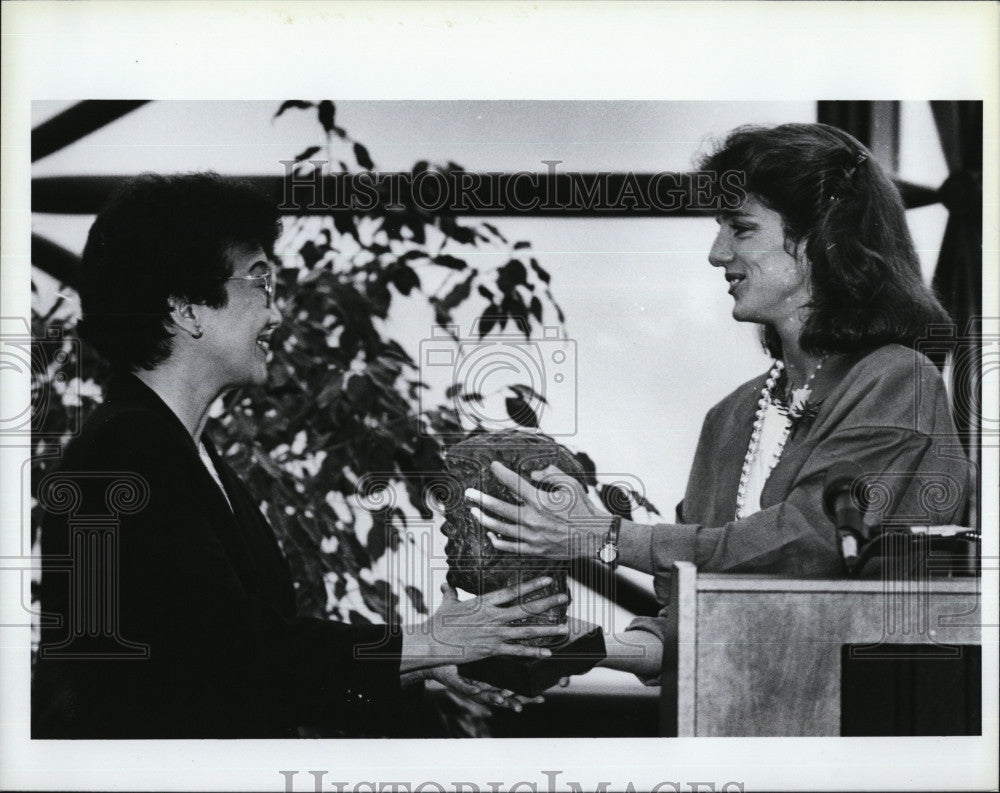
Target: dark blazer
[[168, 614]]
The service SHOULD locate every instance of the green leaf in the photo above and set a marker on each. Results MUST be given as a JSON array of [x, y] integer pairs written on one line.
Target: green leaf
[[378, 535], [310, 254], [416, 598], [487, 322], [404, 279], [536, 308], [361, 155], [520, 412], [345, 223], [511, 275], [495, 232], [305, 155], [379, 598], [325, 113], [527, 393], [540, 271], [417, 230], [589, 469], [461, 234], [513, 307], [452, 263], [616, 500], [265, 462], [459, 293], [644, 502], [358, 389], [288, 104], [416, 253]]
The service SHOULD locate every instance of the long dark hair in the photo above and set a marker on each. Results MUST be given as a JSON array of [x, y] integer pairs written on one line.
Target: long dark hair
[[867, 289]]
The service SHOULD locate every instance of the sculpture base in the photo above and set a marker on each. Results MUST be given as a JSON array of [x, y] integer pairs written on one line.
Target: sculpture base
[[531, 676]]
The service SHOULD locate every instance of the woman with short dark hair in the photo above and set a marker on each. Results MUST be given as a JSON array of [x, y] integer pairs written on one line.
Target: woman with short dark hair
[[169, 609], [161, 238], [819, 255]]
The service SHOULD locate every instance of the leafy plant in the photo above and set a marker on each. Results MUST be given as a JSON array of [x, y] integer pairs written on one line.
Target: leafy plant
[[344, 401]]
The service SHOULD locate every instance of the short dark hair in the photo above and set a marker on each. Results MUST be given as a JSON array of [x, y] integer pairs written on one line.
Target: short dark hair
[[160, 237], [867, 288]]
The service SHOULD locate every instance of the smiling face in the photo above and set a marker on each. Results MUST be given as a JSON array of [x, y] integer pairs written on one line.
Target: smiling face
[[236, 335], [769, 284]]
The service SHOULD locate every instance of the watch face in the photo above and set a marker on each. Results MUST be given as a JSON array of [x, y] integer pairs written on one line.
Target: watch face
[[607, 554]]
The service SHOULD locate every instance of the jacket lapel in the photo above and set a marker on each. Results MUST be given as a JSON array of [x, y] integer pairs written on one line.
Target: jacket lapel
[[240, 528], [274, 577], [805, 437]]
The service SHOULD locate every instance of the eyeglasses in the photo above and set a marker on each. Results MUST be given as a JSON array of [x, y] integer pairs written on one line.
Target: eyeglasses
[[265, 280]]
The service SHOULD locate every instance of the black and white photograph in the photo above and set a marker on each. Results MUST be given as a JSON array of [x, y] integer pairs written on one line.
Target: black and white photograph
[[350, 413]]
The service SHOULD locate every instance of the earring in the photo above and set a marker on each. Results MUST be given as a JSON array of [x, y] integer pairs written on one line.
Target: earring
[[198, 333]]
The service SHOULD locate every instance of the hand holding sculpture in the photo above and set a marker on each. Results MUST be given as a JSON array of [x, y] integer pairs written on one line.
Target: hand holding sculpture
[[474, 564]]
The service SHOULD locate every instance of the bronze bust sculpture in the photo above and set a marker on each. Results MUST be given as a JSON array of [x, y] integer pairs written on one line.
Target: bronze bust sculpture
[[475, 566]]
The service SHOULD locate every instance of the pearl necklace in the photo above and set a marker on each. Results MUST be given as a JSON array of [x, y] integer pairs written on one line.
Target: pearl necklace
[[800, 397]]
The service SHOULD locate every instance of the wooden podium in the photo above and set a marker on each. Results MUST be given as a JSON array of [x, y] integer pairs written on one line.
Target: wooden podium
[[757, 655]]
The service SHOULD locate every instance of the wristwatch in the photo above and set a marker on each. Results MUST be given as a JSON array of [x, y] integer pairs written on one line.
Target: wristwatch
[[609, 551]]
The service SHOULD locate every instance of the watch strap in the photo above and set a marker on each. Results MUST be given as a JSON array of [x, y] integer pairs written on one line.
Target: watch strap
[[608, 553], [615, 530]]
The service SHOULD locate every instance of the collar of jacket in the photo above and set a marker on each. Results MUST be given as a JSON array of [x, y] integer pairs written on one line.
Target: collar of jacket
[[129, 388]]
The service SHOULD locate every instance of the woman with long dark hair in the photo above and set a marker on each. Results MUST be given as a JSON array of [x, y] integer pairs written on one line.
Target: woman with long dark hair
[[820, 257]]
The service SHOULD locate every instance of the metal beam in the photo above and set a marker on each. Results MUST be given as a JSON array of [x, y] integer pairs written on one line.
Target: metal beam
[[460, 193], [479, 195], [917, 195], [875, 124], [885, 134], [77, 122], [853, 117], [61, 264]]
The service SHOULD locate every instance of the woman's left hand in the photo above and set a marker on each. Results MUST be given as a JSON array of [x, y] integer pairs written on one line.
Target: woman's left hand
[[480, 692], [561, 523]]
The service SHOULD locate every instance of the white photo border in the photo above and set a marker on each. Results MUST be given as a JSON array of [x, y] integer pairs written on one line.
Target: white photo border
[[272, 50]]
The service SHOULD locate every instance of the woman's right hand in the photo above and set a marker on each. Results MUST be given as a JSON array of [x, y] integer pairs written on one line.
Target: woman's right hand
[[468, 630], [556, 523]]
